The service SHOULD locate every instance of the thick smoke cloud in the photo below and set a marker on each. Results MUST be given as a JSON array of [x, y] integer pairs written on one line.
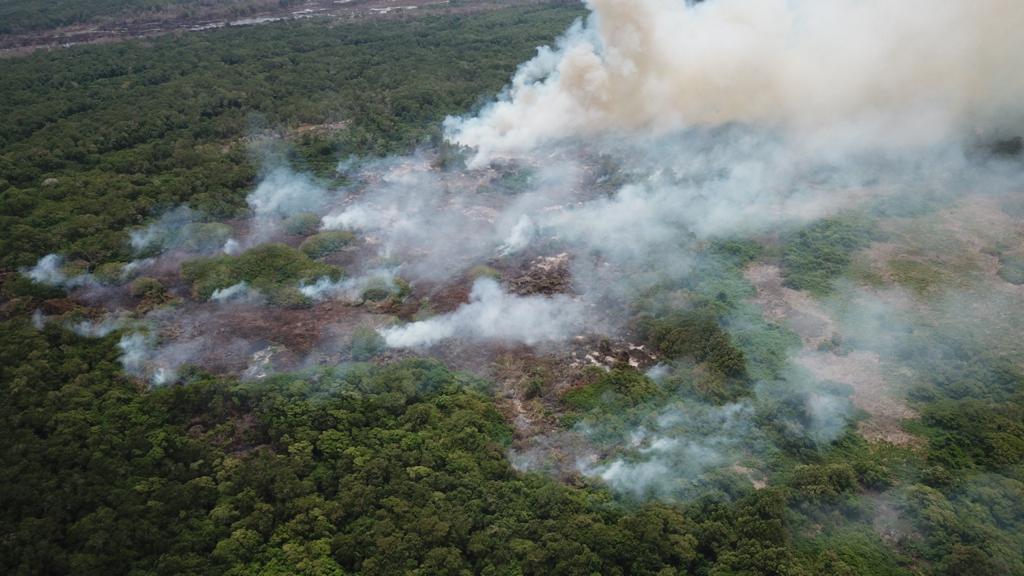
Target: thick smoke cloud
[[906, 72], [492, 314]]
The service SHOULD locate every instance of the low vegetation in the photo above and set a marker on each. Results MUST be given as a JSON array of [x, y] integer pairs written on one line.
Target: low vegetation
[[817, 254], [275, 270], [326, 243]]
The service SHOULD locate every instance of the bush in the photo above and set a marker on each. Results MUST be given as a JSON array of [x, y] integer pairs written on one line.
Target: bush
[[324, 243], [109, 273], [302, 224], [823, 482], [273, 269], [366, 343], [695, 334], [740, 251], [619, 387], [919, 277], [204, 236], [816, 255], [148, 289]]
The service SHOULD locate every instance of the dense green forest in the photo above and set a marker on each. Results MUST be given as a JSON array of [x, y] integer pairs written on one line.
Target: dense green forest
[[403, 466], [96, 139], [357, 470], [402, 469]]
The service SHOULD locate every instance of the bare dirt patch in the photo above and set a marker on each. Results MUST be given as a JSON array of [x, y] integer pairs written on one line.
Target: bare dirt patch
[[872, 393], [785, 305], [861, 370]]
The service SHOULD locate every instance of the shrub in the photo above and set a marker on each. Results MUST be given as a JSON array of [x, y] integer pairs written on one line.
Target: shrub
[[273, 269], [204, 236], [619, 387], [823, 482], [741, 251], [109, 273], [151, 291], [365, 343], [816, 255], [377, 292], [324, 243], [534, 388], [695, 334], [380, 289], [920, 277], [302, 224]]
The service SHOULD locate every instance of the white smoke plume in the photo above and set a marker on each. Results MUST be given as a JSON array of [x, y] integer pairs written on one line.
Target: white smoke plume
[[99, 328], [133, 268], [350, 289], [281, 193], [407, 210], [440, 222], [906, 72], [50, 270], [729, 117], [164, 231], [681, 444], [159, 365], [492, 314], [135, 350], [522, 234], [240, 292], [180, 229], [231, 247]]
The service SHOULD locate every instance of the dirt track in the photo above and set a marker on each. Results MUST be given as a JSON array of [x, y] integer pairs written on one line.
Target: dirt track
[[150, 24]]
